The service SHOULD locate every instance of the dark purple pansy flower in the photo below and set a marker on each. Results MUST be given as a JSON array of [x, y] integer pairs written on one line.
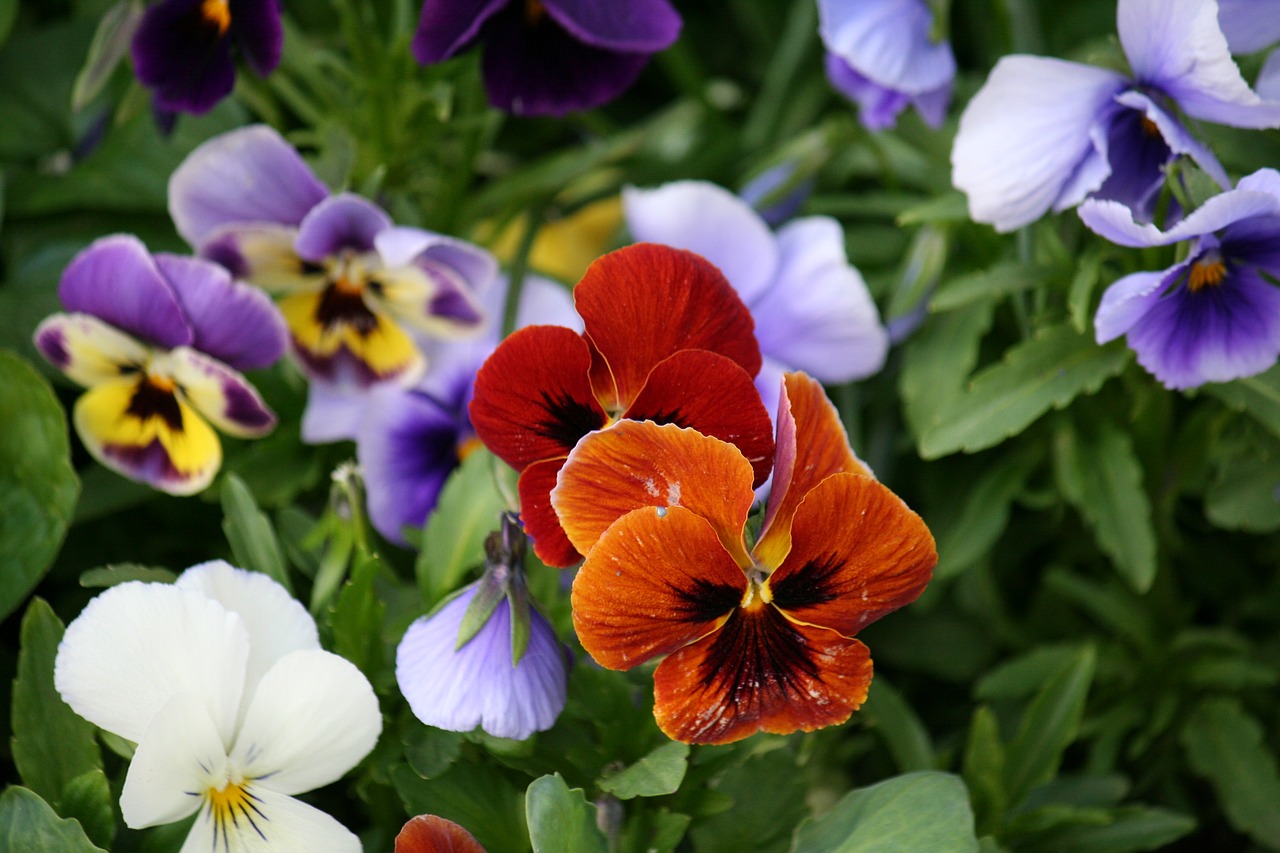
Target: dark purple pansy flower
[[182, 50], [549, 57]]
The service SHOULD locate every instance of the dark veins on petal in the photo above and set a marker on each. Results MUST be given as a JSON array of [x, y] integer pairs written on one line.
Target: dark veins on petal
[[755, 654], [706, 600], [567, 419], [813, 584], [339, 306], [154, 401]]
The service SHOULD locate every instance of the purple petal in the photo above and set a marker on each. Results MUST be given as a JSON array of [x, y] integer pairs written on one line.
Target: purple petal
[[1117, 223], [878, 106], [932, 105], [446, 27], [477, 685], [340, 222], [1268, 85], [235, 323], [247, 175], [888, 42], [258, 32], [1249, 25], [1177, 137], [763, 193], [183, 56], [220, 394], [400, 246], [1025, 136], [116, 280], [636, 26], [1137, 154], [333, 412], [1128, 300]]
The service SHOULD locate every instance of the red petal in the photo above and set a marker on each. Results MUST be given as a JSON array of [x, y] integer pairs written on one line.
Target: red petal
[[710, 393], [430, 834], [760, 672], [657, 580], [857, 553], [539, 519], [646, 302], [533, 397]]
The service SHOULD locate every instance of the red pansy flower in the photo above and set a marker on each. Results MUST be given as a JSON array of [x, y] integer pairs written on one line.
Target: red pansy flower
[[427, 833], [666, 339]]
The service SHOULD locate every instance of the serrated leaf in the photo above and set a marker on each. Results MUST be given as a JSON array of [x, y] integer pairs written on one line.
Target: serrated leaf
[[52, 745], [87, 798], [1226, 746], [928, 810], [110, 44], [453, 541], [250, 534], [38, 487], [116, 573], [1257, 396], [560, 818], [1048, 727], [887, 713], [998, 281], [1048, 371], [658, 773], [937, 361], [29, 825]]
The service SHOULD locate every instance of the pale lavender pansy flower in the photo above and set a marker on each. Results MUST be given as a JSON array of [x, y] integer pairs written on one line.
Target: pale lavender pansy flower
[[1249, 25], [881, 54], [811, 307], [1214, 316], [357, 292], [220, 680], [1043, 134], [159, 342], [549, 57]]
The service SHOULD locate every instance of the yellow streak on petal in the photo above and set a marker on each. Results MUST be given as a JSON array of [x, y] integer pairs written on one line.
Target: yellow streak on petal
[[218, 13]]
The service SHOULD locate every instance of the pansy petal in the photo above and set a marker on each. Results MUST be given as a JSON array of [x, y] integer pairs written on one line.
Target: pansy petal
[[819, 316], [448, 26], [635, 464], [340, 222], [147, 434], [533, 399], [232, 322], [1249, 25], [400, 246], [429, 298], [1268, 84], [645, 302], [258, 32], [279, 823], [857, 553], [1128, 299], [220, 394], [333, 412], [427, 833], [1177, 137], [116, 280], [760, 672], [710, 220], [1117, 223], [86, 349], [1024, 136], [657, 580], [889, 42], [639, 26], [263, 255], [539, 518], [711, 394], [181, 52], [349, 344], [136, 645], [180, 754], [247, 175], [878, 105]]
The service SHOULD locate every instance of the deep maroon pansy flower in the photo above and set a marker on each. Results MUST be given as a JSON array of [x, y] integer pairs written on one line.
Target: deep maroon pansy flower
[[549, 57]]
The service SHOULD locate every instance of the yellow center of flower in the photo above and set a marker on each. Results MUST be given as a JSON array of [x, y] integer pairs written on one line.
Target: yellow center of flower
[[534, 12], [217, 13], [234, 808], [467, 447], [1209, 271], [758, 593]]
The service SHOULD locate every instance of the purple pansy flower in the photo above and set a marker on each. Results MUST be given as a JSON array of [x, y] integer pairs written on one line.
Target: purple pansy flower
[[356, 290], [881, 55], [160, 342], [1214, 316], [182, 49], [1045, 133], [811, 307], [1249, 25], [549, 57]]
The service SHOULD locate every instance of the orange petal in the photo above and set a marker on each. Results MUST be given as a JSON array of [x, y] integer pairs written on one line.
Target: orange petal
[[760, 672], [857, 553], [636, 464], [430, 834], [811, 446], [656, 581], [539, 519]]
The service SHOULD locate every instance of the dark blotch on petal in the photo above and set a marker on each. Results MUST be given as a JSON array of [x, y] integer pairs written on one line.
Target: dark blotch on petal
[[568, 420], [757, 657], [244, 408], [345, 307], [52, 346], [707, 601], [813, 584], [184, 56], [152, 400]]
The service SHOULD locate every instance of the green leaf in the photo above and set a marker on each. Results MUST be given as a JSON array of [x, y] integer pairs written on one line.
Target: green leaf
[[1127, 830], [1245, 494], [925, 811], [1048, 371], [115, 573], [560, 818], [744, 814], [952, 207], [658, 773], [38, 487], [887, 713], [431, 751], [1020, 676], [1048, 727], [109, 46], [250, 534], [1100, 474], [1257, 396], [479, 797], [358, 618], [51, 743], [87, 798], [969, 535], [938, 359], [453, 541], [984, 772], [653, 831], [29, 825], [8, 14], [998, 281], [1080, 293], [1226, 745]]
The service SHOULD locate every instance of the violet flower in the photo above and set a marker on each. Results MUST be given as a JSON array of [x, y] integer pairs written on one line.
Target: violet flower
[[1214, 316], [881, 54], [160, 342], [357, 292], [1045, 133], [549, 57], [182, 50]]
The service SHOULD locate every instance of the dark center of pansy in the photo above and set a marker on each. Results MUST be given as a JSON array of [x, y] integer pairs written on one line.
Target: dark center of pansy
[[1150, 128], [758, 593], [217, 14], [1207, 271], [342, 300], [155, 398], [534, 12]]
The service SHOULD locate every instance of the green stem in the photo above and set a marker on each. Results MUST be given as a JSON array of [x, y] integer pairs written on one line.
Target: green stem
[[519, 268]]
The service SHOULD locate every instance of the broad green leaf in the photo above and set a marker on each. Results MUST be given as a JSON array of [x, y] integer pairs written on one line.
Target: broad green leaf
[[653, 831], [479, 797], [658, 773], [51, 743], [969, 535], [757, 817], [887, 713], [1257, 396], [38, 487], [87, 798], [560, 818], [1001, 280], [937, 361], [1100, 474], [1225, 744], [249, 532], [1128, 830], [1047, 371], [114, 573], [29, 825], [925, 811], [109, 46], [1048, 727], [431, 751], [358, 618], [453, 540], [1245, 494], [1020, 676]]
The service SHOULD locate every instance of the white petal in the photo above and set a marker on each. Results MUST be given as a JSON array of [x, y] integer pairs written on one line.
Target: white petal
[[313, 717], [137, 644], [281, 825], [179, 757]]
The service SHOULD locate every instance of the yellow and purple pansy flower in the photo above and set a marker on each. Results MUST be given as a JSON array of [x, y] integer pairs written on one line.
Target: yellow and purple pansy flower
[[160, 342]]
